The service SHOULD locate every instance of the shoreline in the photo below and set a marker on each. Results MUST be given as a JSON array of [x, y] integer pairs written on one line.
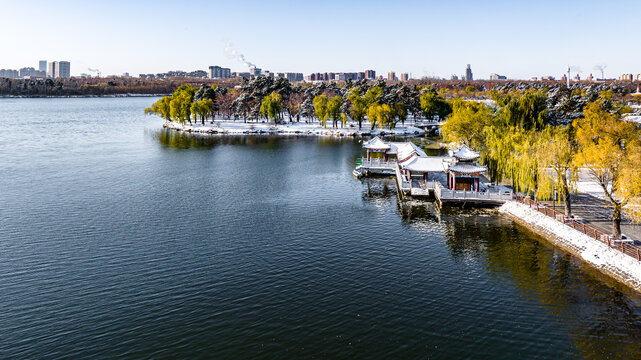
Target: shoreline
[[602, 258], [79, 96], [239, 127]]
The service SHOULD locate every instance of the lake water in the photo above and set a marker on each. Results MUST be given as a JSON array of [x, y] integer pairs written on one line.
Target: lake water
[[120, 240]]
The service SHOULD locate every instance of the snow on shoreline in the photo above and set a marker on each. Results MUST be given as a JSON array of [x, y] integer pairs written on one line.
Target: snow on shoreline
[[296, 128], [599, 255]]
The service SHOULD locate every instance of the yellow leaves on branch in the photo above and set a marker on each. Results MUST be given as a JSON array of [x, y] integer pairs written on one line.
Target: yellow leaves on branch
[[609, 150]]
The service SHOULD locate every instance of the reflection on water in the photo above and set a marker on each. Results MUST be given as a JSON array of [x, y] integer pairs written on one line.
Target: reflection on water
[[603, 316], [182, 140], [123, 242]]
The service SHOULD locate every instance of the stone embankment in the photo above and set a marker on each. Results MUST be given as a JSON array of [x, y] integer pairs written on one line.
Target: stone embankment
[[617, 265]]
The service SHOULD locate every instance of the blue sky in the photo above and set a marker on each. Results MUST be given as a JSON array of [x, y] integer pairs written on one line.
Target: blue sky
[[519, 39]]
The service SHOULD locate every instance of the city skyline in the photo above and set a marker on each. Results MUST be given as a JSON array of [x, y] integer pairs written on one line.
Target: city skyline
[[424, 39]]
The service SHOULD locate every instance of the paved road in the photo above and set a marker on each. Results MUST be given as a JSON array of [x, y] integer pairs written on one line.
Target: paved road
[[597, 213]]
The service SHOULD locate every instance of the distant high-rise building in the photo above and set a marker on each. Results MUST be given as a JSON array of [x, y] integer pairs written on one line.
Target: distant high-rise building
[[64, 69], [42, 65], [294, 76], [626, 77], [454, 77], [391, 76], [51, 69], [30, 72], [589, 78], [468, 73], [497, 77], [405, 76], [370, 74], [638, 78], [59, 69], [254, 71], [9, 73], [217, 72]]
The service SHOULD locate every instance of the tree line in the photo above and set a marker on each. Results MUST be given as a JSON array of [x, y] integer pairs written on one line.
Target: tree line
[[521, 145], [381, 104]]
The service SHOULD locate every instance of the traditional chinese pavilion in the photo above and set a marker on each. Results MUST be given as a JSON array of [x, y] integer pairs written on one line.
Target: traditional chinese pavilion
[[464, 171], [378, 149]]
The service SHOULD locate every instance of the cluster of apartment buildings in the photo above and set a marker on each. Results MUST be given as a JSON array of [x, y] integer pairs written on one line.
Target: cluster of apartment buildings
[[53, 69], [630, 77], [175, 73], [342, 76]]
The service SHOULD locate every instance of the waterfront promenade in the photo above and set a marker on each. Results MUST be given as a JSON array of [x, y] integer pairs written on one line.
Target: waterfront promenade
[[596, 212]]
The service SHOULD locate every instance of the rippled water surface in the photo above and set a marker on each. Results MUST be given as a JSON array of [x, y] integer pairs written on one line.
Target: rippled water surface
[[119, 240]]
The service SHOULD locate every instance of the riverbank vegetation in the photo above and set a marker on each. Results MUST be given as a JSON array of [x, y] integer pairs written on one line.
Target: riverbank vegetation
[[521, 144], [384, 106], [538, 139]]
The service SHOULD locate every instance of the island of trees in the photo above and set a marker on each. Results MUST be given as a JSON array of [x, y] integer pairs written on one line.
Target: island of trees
[[537, 140]]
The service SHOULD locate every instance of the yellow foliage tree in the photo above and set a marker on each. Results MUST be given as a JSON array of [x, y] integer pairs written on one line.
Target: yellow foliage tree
[[608, 152], [467, 123], [557, 168]]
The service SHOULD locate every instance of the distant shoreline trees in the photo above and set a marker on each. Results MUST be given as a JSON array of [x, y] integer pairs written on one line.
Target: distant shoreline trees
[[265, 98]]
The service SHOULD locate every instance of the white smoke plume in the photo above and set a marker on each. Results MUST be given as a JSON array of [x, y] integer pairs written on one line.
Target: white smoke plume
[[231, 52], [575, 69]]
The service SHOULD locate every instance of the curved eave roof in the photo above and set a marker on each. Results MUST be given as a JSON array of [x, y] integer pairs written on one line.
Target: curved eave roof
[[465, 153], [425, 164], [468, 168], [376, 144]]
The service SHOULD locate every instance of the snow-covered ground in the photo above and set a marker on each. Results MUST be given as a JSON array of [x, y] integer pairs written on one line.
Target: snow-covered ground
[[290, 128], [587, 185], [611, 261], [633, 118]]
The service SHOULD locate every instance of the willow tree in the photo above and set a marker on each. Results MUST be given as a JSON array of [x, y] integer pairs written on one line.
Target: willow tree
[[525, 111], [358, 106], [320, 108], [555, 153], [334, 105], [271, 106], [608, 151], [161, 108], [381, 115], [467, 123], [511, 152], [202, 108], [180, 107]]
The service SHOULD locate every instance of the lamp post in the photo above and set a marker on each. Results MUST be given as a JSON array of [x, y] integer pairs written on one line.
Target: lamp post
[[554, 198]]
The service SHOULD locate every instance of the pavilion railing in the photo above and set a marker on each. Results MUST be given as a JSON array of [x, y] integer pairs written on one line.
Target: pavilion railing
[[447, 194], [378, 163], [625, 246]]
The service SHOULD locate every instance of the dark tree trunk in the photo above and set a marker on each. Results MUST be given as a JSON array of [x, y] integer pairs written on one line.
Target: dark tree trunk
[[567, 200], [616, 222]]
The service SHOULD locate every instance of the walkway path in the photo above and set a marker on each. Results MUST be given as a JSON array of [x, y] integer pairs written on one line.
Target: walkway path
[[596, 212]]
